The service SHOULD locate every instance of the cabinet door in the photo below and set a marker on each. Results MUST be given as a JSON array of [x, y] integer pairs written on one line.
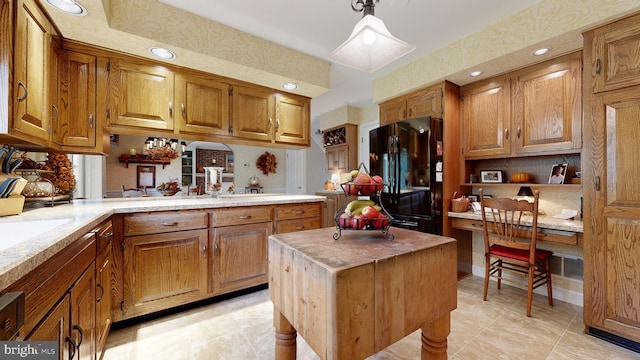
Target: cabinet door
[[252, 113], [615, 55], [337, 158], [548, 107], [292, 120], [76, 121], [142, 95], [83, 314], [31, 72], [393, 111], [103, 298], [55, 327], [611, 173], [486, 116], [427, 102], [203, 105], [239, 256], [164, 270]]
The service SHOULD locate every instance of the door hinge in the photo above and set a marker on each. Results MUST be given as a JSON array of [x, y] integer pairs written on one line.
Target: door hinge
[[230, 91], [122, 246], [230, 129], [108, 66], [122, 306], [108, 113]]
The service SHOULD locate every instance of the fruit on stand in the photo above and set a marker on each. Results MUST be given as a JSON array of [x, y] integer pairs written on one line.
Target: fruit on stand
[[355, 206], [357, 222], [378, 181], [344, 221], [369, 212]]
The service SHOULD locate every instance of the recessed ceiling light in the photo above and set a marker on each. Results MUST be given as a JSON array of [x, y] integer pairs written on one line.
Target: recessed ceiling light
[[69, 6], [475, 73], [290, 86], [540, 51], [162, 53]]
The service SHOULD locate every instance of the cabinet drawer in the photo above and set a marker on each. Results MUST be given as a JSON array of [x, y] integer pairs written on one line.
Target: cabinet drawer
[[298, 225], [162, 222], [240, 215], [556, 236], [105, 234], [298, 211]]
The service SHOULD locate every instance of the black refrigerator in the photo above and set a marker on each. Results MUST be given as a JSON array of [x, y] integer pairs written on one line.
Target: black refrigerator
[[409, 157]]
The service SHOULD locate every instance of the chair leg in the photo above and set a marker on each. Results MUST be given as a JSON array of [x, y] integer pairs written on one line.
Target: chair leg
[[499, 273], [547, 269], [530, 289], [487, 265]]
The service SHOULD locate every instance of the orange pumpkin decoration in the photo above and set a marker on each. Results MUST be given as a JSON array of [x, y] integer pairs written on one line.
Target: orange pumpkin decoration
[[520, 177]]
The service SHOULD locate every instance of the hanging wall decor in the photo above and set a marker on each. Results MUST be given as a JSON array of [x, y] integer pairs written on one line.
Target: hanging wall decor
[[267, 163]]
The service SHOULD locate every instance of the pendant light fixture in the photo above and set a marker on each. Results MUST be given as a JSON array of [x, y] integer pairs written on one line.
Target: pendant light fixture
[[370, 46]]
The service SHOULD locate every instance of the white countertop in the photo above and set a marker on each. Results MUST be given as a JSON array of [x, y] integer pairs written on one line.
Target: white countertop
[[29, 239], [545, 222]]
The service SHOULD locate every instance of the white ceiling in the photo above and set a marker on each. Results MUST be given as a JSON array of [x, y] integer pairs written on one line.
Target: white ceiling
[[317, 27]]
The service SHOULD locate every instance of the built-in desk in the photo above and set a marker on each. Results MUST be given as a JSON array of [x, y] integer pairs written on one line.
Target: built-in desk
[[568, 232]]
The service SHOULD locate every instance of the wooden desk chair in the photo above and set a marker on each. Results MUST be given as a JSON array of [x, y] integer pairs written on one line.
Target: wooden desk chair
[[511, 248]]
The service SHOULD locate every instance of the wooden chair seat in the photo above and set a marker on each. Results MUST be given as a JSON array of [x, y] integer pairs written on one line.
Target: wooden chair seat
[[511, 247]]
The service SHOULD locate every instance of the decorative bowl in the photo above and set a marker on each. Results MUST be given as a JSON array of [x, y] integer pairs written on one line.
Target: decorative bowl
[[169, 192]]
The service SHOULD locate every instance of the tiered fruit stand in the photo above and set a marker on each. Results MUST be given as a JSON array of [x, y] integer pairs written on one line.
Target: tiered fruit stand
[[363, 223]]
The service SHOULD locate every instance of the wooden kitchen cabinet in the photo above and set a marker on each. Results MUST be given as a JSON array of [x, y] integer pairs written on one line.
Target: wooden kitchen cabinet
[[203, 103], [426, 102], [259, 114], [104, 286], [333, 202], [532, 111], [298, 217], [610, 181], [30, 97], [239, 257], [292, 114], [75, 122], [341, 148], [486, 118], [547, 100], [613, 55], [55, 326], [83, 314], [132, 107]]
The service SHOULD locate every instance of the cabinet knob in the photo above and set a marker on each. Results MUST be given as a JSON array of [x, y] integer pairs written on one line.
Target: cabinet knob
[[99, 298], [175, 223], [182, 110], [90, 121], [518, 131], [55, 114], [598, 66], [506, 133], [170, 108]]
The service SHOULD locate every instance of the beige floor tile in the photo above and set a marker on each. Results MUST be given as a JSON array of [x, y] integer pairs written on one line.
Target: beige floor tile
[[241, 328]]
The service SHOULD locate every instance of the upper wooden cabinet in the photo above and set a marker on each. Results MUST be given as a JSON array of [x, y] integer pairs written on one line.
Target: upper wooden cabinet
[[252, 113], [614, 56], [75, 123], [31, 73], [203, 105], [547, 101], [422, 103], [486, 118], [533, 111], [292, 120], [142, 95], [260, 114]]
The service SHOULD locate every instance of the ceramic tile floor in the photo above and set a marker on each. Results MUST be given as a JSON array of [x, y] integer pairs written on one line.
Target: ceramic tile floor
[[241, 328]]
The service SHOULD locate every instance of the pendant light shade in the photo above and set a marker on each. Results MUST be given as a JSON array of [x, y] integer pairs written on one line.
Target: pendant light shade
[[370, 46]]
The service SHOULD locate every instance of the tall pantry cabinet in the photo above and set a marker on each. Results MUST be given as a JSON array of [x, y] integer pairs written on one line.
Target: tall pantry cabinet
[[611, 179]]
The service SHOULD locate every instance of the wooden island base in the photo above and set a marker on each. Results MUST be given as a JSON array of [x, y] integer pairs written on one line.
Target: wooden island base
[[352, 297]]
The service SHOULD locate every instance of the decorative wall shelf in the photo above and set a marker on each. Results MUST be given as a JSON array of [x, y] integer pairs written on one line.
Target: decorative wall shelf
[[163, 162]]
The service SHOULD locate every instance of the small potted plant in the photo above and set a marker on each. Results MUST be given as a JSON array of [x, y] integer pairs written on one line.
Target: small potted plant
[[169, 188]]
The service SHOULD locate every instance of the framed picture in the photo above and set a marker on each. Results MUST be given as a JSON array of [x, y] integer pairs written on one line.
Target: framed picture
[[491, 176], [146, 177], [558, 172]]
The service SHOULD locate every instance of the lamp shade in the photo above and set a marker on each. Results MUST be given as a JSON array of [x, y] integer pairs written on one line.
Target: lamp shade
[[370, 46], [525, 191]]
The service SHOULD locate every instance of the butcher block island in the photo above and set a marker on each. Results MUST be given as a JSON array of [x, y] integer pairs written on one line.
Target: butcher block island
[[352, 297], [85, 265]]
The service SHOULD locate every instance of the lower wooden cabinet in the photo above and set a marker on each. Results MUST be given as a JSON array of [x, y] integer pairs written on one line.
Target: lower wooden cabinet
[[239, 256], [83, 311], [55, 327], [104, 261], [298, 217], [164, 270]]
